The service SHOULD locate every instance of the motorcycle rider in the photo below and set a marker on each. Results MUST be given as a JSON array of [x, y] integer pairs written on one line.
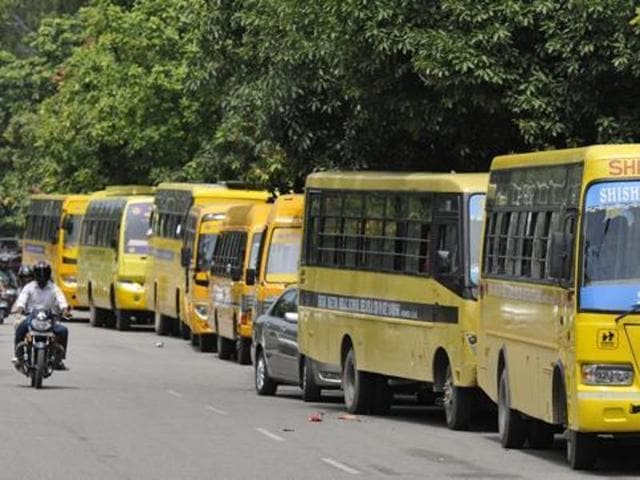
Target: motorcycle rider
[[42, 293]]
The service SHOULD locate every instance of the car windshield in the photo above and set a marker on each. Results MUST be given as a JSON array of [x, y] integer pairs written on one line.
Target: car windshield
[[136, 227], [284, 253], [476, 217], [610, 270], [72, 230]]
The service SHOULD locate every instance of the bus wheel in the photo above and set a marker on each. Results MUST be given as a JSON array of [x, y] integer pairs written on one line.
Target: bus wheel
[[161, 323], [123, 320], [581, 450], [310, 391], [511, 425], [225, 348], [207, 343], [357, 385], [458, 403], [185, 331], [264, 383], [243, 351], [381, 396], [540, 434], [195, 340], [95, 319]]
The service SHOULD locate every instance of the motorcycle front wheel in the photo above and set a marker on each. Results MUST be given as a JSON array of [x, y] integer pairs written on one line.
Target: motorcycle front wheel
[[38, 375]]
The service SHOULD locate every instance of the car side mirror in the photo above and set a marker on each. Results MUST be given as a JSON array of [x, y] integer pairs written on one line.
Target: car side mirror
[[250, 276], [560, 255], [291, 317], [185, 257]]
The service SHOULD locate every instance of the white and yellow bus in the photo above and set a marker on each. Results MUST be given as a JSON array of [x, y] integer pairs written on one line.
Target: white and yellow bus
[[112, 255], [51, 234], [277, 266], [559, 336], [233, 273], [388, 284], [168, 269]]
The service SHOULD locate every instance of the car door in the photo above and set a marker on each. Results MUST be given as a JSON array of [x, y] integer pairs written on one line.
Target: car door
[[274, 334], [288, 339]]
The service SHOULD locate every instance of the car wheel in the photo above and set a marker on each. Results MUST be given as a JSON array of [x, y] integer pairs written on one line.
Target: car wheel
[[263, 382]]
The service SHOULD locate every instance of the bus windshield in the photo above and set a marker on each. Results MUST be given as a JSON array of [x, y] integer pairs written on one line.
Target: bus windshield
[[206, 246], [72, 230], [284, 253], [476, 217], [136, 227], [611, 272]]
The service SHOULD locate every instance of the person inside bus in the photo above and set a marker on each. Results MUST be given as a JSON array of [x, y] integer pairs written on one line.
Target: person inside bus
[[42, 293]]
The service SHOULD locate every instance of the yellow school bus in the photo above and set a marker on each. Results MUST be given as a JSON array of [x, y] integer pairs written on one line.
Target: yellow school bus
[[280, 252], [167, 272], [112, 255], [388, 284], [559, 333], [232, 289], [203, 230], [51, 234]]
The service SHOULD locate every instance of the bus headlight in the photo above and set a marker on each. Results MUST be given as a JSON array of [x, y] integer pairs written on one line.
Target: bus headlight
[[201, 310], [69, 281], [130, 285], [607, 374]]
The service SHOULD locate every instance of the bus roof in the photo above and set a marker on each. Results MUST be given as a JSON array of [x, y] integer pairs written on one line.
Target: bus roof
[[287, 209], [127, 190], [405, 181], [250, 216], [207, 192], [567, 155]]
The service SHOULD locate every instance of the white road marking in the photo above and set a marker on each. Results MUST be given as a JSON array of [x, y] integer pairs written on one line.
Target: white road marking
[[272, 436], [341, 466], [174, 393], [216, 410]]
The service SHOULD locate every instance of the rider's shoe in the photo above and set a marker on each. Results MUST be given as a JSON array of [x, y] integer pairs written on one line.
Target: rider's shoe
[[61, 366], [16, 363]]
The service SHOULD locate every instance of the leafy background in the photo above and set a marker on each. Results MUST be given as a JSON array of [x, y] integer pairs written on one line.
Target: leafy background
[[141, 91]]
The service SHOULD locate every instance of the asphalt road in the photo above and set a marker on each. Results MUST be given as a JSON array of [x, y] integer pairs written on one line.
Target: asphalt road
[[130, 410]]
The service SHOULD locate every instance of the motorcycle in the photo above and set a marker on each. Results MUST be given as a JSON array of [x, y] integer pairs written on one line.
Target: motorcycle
[[40, 351], [8, 294]]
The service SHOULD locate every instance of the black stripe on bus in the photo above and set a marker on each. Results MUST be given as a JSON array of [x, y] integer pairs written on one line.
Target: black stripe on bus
[[70, 261], [418, 312]]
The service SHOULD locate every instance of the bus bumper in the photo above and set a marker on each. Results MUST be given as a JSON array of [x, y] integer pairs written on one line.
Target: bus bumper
[[130, 296], [245, 330], [608, 412]]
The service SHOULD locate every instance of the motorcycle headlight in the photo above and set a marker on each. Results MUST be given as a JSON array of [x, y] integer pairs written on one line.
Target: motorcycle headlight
[[607, 374], [40, 325]]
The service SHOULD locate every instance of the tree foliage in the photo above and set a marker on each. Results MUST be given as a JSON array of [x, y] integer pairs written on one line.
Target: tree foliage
[[270, 90]]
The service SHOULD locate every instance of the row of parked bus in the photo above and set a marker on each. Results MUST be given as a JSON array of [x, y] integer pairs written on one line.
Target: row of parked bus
[[521, 286]]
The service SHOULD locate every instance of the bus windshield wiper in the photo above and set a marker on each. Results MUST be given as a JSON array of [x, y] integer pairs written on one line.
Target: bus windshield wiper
[[633, 309]]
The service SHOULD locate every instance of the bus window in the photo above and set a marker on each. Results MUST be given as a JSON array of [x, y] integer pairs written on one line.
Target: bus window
[[476, 215], [206, 246], [284, 253], [135, 233], [72, 230]]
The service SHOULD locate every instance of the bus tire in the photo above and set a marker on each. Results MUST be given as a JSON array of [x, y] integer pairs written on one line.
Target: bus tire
[[582, 449], [265, 385], [185, 330], [195, 339], [511, 425], [225, 347], [160, 322], [174, 327], [381, 396], [123, 320], [540, 434], [207, 343], [243, 352], [357, 385], [310, 391], [457, 402], [95, 319]]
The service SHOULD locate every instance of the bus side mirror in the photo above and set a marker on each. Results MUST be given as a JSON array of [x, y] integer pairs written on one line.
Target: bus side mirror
[[67, 225], [236, 274], [114, 244], [443, 261], [250, 276], [185, 257], [560, 255]]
